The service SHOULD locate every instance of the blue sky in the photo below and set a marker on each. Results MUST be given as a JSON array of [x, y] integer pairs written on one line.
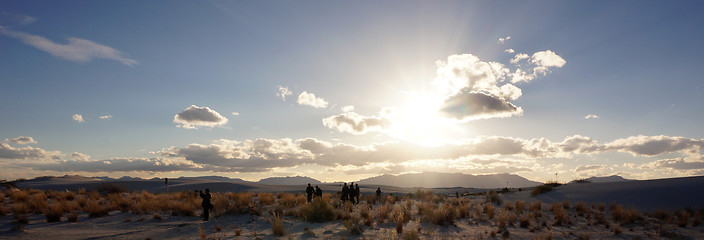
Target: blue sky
[[348, 90]]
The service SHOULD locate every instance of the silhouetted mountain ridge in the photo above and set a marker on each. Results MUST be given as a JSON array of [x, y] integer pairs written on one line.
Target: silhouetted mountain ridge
[[297, 180]]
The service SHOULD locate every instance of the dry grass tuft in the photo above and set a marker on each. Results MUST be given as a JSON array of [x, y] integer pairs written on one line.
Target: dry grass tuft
[[277, 224], [559, 213], [54, 213]]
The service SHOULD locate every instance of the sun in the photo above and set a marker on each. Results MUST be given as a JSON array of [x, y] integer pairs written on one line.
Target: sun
[[419, 121]]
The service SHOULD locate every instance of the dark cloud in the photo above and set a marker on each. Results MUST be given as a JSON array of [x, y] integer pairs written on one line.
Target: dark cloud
[[467, 105], [354, 123], [9, 152], [656, 145]]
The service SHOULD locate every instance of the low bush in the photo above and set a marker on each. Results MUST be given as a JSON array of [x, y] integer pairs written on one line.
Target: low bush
[[317, 211], [540, 190]]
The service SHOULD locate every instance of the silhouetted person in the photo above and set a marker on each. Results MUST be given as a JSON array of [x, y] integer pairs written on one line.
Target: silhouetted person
[[309, 192], [206, 203], [351, 192], [378, 194], [345, 193], [356, 193], [318, 192]]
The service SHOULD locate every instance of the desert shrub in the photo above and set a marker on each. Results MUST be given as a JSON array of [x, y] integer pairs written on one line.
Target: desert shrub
[[354, 227], [422, 195], [444, 215], [540, 190], [661, 215], [288, 200], [489, 211], [95, 209], [508, 206], [54, 213], [559, 213], [277, 225], [624, 216], [19, 196], [266, 198], [566, 204], [38, 202], [524, 221], [536, 206], [410, 235], [72, 217], [110, 188], [318, 211], [683, 218], [520, 206], [581, 208], [493, 197]]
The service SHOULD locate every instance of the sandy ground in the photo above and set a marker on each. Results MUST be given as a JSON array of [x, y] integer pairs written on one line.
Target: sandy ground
[[647, 196]]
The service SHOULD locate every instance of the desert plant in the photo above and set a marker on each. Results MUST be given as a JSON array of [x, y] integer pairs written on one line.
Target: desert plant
[[266, 198], [410, 235], [540, 190], [493, 197], [355, 228], [581, 208], [520, 206], [54, 213], [277, 225], [72, 217], [317, 211], [536, 206], [683, 218], [559, 213]]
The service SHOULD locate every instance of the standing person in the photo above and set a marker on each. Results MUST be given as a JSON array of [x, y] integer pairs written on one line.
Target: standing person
[[378, 194], [318, 192], [345, 193], [352, 192], [309, 192], [356, 192], [206, 203]]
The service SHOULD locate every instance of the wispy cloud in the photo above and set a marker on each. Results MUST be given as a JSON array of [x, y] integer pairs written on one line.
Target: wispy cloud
[[76, 49], [105, 117], [78, 118], [591, 116], [510, 50], [354, 123], [310, 99], [194, 117]]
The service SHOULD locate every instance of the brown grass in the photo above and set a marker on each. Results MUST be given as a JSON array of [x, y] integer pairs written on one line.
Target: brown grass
[[266, 198], [559, 213], [277, 225], [54, 213]]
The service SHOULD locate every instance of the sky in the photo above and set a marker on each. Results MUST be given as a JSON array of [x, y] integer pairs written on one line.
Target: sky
[[346, 90]]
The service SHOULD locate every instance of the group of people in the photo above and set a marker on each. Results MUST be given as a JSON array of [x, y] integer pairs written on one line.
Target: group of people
[[310, 192], [350, 193]]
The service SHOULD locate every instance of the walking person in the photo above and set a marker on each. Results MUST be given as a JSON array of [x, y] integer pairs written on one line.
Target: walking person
[[309, 192], [206, 203]]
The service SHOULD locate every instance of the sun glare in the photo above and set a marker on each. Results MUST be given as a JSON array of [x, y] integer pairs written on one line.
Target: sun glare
[[419, 121]]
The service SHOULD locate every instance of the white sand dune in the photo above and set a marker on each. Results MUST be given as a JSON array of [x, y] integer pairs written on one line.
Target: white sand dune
[[646, 195]]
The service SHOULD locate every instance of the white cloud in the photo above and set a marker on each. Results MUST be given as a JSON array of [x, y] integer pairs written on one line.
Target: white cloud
[[502, 40], [510, 50], [283, 92], [78, 118], [519, 57], [545, 60], [105, 117], [591, 116], [194, 117], [348, 108], [77, 49], [354, 123], [21, 140], [76, 156], [235, 114], [309, 99]]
